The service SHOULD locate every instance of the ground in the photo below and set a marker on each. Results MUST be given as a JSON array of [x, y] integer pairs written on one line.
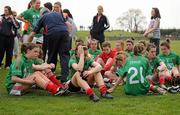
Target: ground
[[38, 102]]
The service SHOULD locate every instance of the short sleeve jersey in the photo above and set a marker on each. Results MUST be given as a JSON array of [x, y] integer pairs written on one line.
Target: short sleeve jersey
[[94, 54], [87, 63], [153, 64], [170, 60], [135, 70], [105, 56], [32, 15], [23, 70]]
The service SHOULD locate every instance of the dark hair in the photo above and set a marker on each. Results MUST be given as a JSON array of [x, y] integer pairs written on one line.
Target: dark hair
[[130, 40], [157, 13], [166, 43], [9, 9], [106, 44], [143, 42], [68, 12], [138, 49], [79, 40], [149, 46], [24, 48], [48, 5], [27, 46], [58, 3], [29, 5]]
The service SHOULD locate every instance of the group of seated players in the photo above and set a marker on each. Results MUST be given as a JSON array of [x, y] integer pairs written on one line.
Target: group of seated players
[[137, 68]]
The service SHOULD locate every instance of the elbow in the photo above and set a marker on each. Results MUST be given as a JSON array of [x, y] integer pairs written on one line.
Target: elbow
[[13, 79]]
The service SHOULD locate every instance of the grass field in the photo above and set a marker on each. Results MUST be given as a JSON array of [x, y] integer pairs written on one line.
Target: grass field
[[38, 102]]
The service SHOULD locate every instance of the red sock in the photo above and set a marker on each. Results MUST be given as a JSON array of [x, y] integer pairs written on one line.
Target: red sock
[[151, 87], [51, 87], [169, 78], [111, 80], [89, 92], [55, 81], [102, 89], [161, 79]]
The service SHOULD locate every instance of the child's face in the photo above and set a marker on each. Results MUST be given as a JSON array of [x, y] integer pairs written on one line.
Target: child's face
[[37, 4], [164, 50], [34, 53], [93, 45], [118, 46], [152, 53], [107, 50], [57, 8], [129, 46]]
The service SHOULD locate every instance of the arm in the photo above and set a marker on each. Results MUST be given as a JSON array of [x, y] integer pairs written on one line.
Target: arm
[[108, 64], [96, 68], [16, 79], [162, 66], [36, 29], [31, 36], [69, 26], [80, 65], [43, 66], [15, 22], [115, 86], [150, 30], [107, 25]]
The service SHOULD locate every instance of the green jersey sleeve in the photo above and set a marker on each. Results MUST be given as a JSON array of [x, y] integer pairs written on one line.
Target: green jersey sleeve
[[16, 71], [25, 14]]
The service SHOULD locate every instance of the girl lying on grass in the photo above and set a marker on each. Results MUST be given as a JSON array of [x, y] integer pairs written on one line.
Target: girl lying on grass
[[28, 70]]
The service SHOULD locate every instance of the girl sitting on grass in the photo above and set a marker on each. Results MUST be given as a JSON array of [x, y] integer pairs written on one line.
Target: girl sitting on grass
[[135, 70], [119, 62], [84, 72], [28, 70]]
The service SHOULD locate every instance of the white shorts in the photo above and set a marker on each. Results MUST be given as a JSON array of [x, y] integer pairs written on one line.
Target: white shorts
[[35, 39]]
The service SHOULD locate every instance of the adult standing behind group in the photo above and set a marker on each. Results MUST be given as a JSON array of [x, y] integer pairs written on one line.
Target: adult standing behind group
[[58, 39], [99, 25], [69, 18], [31, 16], [7, 26], [153, 31]]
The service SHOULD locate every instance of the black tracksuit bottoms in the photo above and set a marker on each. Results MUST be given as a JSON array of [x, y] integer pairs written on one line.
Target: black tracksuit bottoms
[[6, 46], [58, 43]]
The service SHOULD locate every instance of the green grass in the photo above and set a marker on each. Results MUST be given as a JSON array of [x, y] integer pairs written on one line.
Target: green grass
[[38, 102]]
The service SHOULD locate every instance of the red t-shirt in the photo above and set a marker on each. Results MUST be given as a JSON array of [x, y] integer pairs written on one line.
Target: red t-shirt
[[105, 57]]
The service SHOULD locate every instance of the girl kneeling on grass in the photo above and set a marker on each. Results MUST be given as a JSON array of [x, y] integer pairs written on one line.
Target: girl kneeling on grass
[[84, 72], [135, 70], [27, 70]]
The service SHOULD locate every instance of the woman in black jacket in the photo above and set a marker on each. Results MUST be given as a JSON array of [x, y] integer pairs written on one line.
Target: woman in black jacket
[[99, 25], [7, 26]]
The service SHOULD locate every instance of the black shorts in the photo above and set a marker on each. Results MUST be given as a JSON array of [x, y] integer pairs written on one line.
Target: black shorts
[[73, 88]]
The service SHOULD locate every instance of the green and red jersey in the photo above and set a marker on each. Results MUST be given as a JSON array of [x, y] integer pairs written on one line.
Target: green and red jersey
[[135, 70], [23, 70], [95, 53], [87, 63], [171, 60], [32, 15], [153, 64]]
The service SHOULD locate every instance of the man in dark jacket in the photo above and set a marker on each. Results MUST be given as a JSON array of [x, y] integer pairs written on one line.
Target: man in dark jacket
[[58, 39]]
